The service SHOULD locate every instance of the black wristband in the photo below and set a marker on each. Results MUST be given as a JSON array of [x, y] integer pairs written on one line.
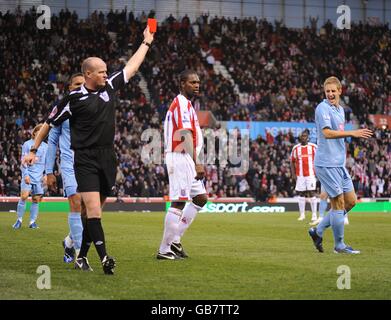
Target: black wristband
[[33, 150], [146, 43]]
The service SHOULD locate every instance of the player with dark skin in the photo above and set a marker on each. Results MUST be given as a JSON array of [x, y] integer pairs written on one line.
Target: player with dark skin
[[74, 200], [304, 139], [191, 88]]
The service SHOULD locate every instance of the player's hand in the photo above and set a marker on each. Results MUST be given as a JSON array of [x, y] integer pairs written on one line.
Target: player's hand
[[27, 179], [200, 170], [29, 159], [148, 36], [362, 133], [51, 182]]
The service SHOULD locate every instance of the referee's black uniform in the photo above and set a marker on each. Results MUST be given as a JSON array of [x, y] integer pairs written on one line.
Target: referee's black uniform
[[92, 122]]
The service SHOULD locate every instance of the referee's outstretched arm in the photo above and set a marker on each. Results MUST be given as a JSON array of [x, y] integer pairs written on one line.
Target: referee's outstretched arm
[[137, 59]]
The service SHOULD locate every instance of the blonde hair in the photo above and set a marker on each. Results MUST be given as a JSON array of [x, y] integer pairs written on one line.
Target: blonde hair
[[333, 80], [36, 129]]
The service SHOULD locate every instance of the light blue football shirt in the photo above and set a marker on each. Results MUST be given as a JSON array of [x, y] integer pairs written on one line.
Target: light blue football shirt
[[35, 171], [61, 136], [330, 152]]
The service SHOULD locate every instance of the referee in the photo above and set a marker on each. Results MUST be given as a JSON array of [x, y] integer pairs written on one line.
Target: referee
[[91, 112]]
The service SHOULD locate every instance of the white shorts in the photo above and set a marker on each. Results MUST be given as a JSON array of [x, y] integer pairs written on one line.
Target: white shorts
[[306, 183], [181, 176]]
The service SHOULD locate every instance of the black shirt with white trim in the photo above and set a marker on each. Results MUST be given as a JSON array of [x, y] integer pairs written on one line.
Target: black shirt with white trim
[[91, 113]]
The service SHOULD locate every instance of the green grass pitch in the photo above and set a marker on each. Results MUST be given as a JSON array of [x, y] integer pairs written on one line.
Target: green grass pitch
[[232, 256]]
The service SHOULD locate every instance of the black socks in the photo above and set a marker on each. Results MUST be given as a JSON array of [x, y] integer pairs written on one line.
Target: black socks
[[96, 234]]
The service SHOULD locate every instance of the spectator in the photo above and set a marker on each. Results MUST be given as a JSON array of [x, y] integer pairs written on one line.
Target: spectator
[[278, 75]]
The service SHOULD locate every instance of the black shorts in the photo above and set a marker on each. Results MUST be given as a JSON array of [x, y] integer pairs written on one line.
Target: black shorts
[[95, 170]]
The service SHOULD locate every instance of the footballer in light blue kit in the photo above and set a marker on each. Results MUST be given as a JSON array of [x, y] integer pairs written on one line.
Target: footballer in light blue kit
[[61, 136], [330, 165], [32, 182]]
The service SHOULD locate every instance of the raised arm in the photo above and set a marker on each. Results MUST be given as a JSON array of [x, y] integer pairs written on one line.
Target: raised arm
[[137, 58]]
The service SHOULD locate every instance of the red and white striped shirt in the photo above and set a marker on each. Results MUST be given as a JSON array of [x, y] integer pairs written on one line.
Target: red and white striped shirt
[[181, 115], [303, 159]]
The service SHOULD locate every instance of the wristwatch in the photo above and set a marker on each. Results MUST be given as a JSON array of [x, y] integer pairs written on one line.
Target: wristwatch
[[33, 150], [146, 43]]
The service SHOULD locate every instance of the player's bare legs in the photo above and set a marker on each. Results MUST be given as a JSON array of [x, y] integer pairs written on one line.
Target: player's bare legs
[[350, 202], [178, 205], [75, 202], [102, 201], [24, 195]]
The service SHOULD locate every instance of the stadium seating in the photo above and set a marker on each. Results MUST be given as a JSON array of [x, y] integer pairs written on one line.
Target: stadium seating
[[278, 71]]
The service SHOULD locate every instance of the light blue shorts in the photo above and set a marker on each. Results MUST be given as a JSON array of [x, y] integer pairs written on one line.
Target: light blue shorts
[[69, 182], [35, 189], [334, 180]]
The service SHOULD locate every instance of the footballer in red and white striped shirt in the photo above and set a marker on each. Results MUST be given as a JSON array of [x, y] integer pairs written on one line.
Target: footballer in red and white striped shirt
[[182, 143], [303, 170], [303, 158]]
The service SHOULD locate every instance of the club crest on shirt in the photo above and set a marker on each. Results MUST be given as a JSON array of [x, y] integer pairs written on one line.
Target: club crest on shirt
[[183, 192], [104, 96], [186, 117]]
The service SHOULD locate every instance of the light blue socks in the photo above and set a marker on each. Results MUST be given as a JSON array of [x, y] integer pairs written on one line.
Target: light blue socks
[[21, 208], [323, 225], [76, 228], [337, 218], [322, 207], [34, 212]]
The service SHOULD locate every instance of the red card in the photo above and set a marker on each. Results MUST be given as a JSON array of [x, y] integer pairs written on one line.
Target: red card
[[152, 23]]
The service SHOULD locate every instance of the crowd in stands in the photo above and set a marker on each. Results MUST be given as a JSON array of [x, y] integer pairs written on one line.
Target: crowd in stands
[[283, 70], [279, 73]]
